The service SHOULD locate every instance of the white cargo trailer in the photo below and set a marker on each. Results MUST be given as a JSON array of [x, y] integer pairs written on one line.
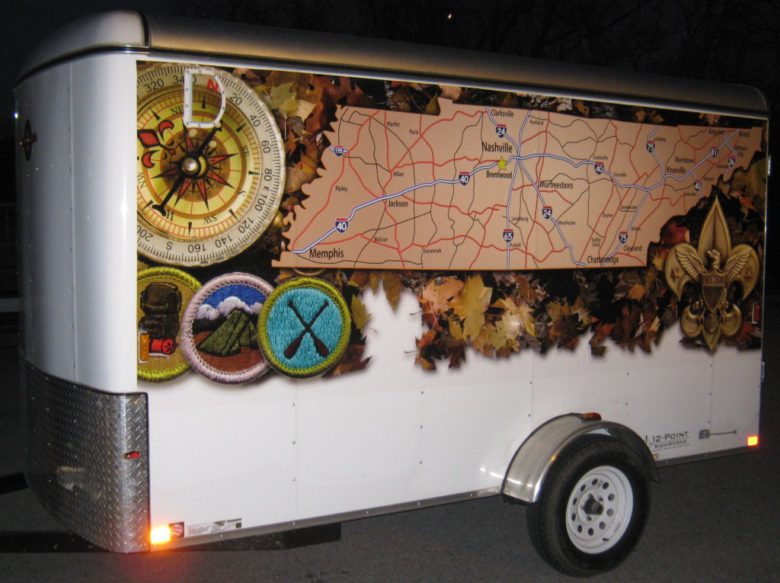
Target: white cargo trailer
[[362, 277]]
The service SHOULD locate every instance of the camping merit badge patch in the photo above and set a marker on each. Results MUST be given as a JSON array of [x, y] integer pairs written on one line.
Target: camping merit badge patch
[[219, 336], [163, 294], [304, 327]]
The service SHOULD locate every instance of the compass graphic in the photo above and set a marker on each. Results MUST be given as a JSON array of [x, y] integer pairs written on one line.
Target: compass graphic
[[210, 165]]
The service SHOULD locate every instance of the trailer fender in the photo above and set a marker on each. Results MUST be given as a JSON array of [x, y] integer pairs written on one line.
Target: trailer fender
[[534, 458]]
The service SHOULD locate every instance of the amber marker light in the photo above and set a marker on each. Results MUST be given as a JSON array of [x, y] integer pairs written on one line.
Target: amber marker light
[[160, 535], [752, 440], [590, 416]]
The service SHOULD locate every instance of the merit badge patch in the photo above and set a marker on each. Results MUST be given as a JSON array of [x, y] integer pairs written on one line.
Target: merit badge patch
[[163, 294], [219, 336], [304, 327]]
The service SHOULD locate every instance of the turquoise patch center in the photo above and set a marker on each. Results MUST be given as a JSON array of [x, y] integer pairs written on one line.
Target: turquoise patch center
[[304, 328]]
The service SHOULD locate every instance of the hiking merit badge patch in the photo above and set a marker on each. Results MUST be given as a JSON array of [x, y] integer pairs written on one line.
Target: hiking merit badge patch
[[163, 294], [304, 327], [219, 336]]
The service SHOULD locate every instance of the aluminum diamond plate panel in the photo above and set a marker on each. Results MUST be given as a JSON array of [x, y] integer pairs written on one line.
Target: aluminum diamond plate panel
[[87, 456]]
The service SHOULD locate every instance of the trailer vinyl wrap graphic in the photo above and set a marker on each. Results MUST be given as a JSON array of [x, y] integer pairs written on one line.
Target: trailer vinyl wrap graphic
[[519, 220]]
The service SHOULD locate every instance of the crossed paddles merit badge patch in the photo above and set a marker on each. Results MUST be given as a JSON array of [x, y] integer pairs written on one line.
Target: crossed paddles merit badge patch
[[304, 327]]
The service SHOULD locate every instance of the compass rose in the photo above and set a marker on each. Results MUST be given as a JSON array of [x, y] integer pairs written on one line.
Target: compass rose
[[210, 165]]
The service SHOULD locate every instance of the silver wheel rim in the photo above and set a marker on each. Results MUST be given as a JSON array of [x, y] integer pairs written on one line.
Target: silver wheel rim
[[599, 509]]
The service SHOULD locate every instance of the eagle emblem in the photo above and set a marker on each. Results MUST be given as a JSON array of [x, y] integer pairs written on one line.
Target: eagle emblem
[[715, 267]]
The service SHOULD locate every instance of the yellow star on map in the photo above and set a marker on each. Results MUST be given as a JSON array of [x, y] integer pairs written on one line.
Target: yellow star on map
[[501, 164]]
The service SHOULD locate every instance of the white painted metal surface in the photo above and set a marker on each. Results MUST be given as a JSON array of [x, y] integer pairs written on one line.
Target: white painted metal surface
[[78, 221], [735, 398], [104, 240], [46, 225], [396, 434]]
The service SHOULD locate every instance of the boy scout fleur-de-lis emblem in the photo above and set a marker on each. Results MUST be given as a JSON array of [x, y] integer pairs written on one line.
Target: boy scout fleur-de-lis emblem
[[715, 266]]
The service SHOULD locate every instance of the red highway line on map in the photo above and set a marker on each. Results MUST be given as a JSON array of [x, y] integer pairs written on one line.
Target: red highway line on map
[[432, 150], [432, 202], [433, 162], [425, 131], [552, 251], [433, 158], [622, 200], [389, 179], [612, 189], [652, 212], [659, 200], [481, 246], [713, 163], [522, 187], [373, 242], [407, 151], [686, 141], [600, 216], [470, 214], [293, 244], [446, 239], [357, 141], [534, 222], [375, 196], [450, 161], [558, 192], [629, 255], [632, 149], [359, 178], [387, 150], [537, 134]]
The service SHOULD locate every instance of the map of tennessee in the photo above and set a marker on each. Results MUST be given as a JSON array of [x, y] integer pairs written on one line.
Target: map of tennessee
[[488, 188]]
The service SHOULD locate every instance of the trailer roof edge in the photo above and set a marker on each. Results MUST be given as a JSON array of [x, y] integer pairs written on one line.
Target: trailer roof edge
[[121, 29], [130, 30]]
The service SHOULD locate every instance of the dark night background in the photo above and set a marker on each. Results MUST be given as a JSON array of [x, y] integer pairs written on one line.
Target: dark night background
[[733, 41]]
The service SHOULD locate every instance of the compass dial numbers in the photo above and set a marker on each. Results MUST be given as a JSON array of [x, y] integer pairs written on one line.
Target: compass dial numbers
[[205, 191]]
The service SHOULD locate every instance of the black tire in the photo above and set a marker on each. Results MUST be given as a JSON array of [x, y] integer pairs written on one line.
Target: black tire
[[596, 528]]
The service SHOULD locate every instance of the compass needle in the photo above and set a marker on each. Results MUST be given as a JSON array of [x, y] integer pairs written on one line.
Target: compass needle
[[219, 179], [217, 159], [187, 184], [203, 192], [160, 208], [169, 172]]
